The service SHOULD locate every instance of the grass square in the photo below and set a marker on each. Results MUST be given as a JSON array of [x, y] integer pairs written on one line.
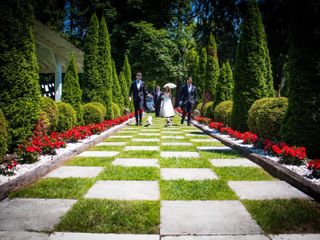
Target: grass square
[[220, 154], [90, 161], [196, 190], [285, 216], [70, 188], [139, 154], [134, 143], [242, 174], [129, 173], [107, 216], [106, 148], [208, 144], [179, 148], [184, 163]]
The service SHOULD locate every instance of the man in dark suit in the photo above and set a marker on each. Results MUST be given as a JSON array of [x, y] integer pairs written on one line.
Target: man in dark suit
[[157, 100], [138, 92], [188, 98]]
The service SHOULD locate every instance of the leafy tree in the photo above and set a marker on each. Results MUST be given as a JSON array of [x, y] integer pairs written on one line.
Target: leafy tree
[[192, 62], [117, 96], [225, 85], [202, 71], [92, 79], [212, 68], [302, 121], [124, 89], [19, 85], [105, 67], [71, 92], [128, 76], [251, 68]]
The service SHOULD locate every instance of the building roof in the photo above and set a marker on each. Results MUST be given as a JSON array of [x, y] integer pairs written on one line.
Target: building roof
[[53, 48]]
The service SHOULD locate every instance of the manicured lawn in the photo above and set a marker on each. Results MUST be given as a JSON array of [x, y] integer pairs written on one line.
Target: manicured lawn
[[285, 216], [208, 144], [106, 148], [140, 154], [196, 190], [143, 143], [184, 163], [220, 154], [179, 148], [129, 173], [56, 188], [105, 216], [242, 174], [91, 161]]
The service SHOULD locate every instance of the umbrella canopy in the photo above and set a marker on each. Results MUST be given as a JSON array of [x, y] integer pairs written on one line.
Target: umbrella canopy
[[170, 85]]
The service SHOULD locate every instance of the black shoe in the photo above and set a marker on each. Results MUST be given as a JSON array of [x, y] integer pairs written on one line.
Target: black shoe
[[181, 122], [140, 124], [189, 124], [136, 124]]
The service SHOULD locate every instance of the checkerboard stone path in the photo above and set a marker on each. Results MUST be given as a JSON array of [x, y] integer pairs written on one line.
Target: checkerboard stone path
[[205, 219]]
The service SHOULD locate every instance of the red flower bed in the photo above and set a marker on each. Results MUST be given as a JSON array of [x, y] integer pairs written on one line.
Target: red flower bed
[[8, 167], [314, 167], [203, 120]]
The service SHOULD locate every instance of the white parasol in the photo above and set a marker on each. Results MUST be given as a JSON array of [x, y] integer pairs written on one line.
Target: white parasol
[[170, 85]]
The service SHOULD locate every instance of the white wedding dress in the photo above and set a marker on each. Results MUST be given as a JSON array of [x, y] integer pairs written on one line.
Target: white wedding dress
[[166, 109]]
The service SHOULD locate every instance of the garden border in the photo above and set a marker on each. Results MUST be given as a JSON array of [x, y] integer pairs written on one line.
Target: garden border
[[274, 168], [33, 175]]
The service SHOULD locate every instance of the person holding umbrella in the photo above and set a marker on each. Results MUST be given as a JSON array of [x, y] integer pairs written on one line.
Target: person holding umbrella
[[166, 109]]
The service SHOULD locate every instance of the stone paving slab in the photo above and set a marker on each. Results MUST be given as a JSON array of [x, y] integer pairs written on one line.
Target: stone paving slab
[[237, 162], [176, 144], [112, 144], [150, 130], [128, 131], [23, 236], [170, 154], [30, 214], [99, 236], [142, 148], [145, 139], [206, 218], [172, 137], [149, 134], [75, 171], [98, 154], [204, 140], [198, 134], [125, 190], [171, 132], [189, 174], [212, 149], [228, 237], [121, 136], [136, 162], [260, 190], [295, 237]]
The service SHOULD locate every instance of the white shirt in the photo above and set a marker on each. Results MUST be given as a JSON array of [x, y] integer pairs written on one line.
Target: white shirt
[[138, 83], [190, 88]]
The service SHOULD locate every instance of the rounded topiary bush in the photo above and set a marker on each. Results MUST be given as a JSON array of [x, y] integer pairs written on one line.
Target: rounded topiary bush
[[266, 115], [101, 107], [49, 106], [116, 110], [199, 106], [67, 117], [222, 112], [92, 113], [208, 110], [3, 135]]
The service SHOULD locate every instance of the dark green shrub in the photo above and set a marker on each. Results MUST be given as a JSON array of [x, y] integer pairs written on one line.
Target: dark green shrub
[[67, 117], [101, 107], [208, 110], [116, 110], [222, 112], [224, 85], [212, 67], [3, 136], [49, 106], [92, 113], [199, 106], [266, 115]]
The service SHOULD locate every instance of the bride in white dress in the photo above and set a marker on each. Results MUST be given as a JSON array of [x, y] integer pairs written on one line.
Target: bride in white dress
[[166, 109]]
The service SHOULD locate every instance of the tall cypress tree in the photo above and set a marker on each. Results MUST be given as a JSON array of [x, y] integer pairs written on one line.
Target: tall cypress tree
[[105, 67], [116, 89], [192, 62], [71, 92], [92, 83], [212, 68], [302, 120], [124, 89], [225, 85], [251, 70], [19, 84], [202, 71], [128, 76]]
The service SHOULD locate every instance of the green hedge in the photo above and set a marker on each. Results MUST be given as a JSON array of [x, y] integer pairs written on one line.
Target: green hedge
[[50, 107], [266, 115], [208, 110], [222, 112], [101, 107], [116, 110], [67, 117], [199, 106], [3, 136], [93, 113]]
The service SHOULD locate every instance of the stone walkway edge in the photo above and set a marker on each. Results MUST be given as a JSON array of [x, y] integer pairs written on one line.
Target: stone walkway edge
[[58, 160]]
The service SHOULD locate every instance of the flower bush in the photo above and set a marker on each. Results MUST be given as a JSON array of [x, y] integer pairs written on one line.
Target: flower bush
[[203, 120], [314, 167], [8, 167]]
